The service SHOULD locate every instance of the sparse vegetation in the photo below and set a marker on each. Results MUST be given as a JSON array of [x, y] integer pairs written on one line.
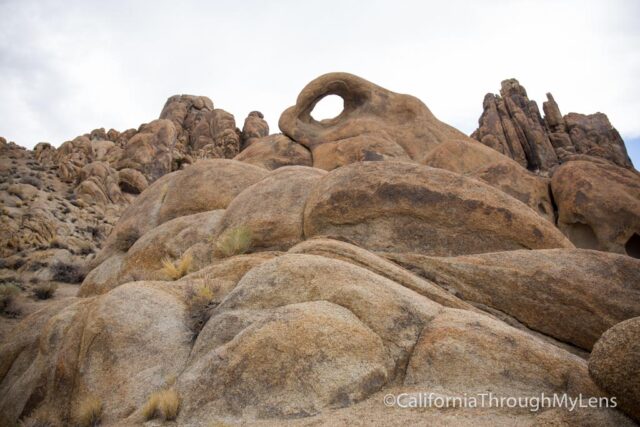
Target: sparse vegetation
[[235, 241], [200, 300], [67, 273], [45, 290], [163, 404], [8, 293], [88, 412], [178, 269]]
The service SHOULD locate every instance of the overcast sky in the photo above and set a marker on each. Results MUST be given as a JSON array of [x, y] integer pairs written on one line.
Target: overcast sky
[[69, 67]]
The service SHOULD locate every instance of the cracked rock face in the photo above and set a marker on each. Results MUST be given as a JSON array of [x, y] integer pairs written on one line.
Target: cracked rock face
[[511, 124], [306, 275]]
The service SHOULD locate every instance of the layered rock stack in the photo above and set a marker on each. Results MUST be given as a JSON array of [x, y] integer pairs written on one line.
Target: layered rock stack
[[512, 124], [336, 272]]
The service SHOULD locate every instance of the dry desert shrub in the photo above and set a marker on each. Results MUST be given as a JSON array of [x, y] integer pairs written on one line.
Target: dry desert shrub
[[178, 269], [235, 241], [163, 404], [45, 290], [41, 417], [88, 412], [67, 273]]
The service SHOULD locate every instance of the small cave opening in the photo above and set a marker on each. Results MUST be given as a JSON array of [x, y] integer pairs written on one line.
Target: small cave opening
[[632, 247], [583, 236], [329, 107]]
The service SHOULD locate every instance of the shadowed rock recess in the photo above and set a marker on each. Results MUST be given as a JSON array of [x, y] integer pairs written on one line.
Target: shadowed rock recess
[[239, 277]]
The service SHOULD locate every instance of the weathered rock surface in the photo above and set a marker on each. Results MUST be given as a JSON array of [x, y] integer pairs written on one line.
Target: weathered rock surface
[[273, 208], [383, 124], [274, 151], [572, 295], [512, 125], [599, 206], [422, 261], [255, 127], [402, 207], [614, 364], [480, 162]]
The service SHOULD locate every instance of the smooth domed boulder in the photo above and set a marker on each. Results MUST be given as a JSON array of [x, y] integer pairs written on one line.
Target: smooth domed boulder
[[132, 181], [599, 206], [294, 362], [362, 258], [478, 161], [614, 364], [139, 326], [386, 124], [144, 260], [464, 352], [272, 209], [274, 151], [204, 186], [573, 295], [403, 207]]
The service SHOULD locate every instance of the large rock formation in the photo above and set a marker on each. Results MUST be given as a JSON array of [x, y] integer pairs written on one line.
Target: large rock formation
[[512, 125], [376, 124], [323, 276]]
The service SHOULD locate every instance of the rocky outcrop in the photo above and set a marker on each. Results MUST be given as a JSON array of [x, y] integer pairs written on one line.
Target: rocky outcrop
[[255, 127], [512, 124], [202, 128], [614, 364], [402, 207], [599, 206], [480, 162], [376, 124], [274, 151], [378, 253], [572, 295]]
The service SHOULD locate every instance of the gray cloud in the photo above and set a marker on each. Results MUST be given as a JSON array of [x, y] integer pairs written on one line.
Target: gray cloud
[[67, 70]]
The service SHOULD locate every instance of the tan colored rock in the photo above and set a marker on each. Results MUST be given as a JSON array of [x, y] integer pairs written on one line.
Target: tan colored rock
[[132, 181], [294, 362], [274, 151], [72, 156], [395, 122], [139, 326], [272, 209], [99, 185], [463, 352], [255, 127], [362, 148], [402, 207], [599, 206], [362, 258], [614, 365], [572, 295], [211, 184], [143, 261], [149, 150], [480, 162]]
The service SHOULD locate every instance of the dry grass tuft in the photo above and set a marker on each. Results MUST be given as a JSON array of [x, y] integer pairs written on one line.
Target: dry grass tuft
[[45, 290], [163, 404], [178, 269], [235, 241], [200, 301], [88, 412]]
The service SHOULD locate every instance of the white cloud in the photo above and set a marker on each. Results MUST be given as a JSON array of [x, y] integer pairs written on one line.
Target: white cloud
[[65, 71]]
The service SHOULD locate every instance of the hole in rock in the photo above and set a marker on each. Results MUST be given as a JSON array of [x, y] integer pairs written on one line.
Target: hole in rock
[[328, 108], [582, 236], [633, 246]]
